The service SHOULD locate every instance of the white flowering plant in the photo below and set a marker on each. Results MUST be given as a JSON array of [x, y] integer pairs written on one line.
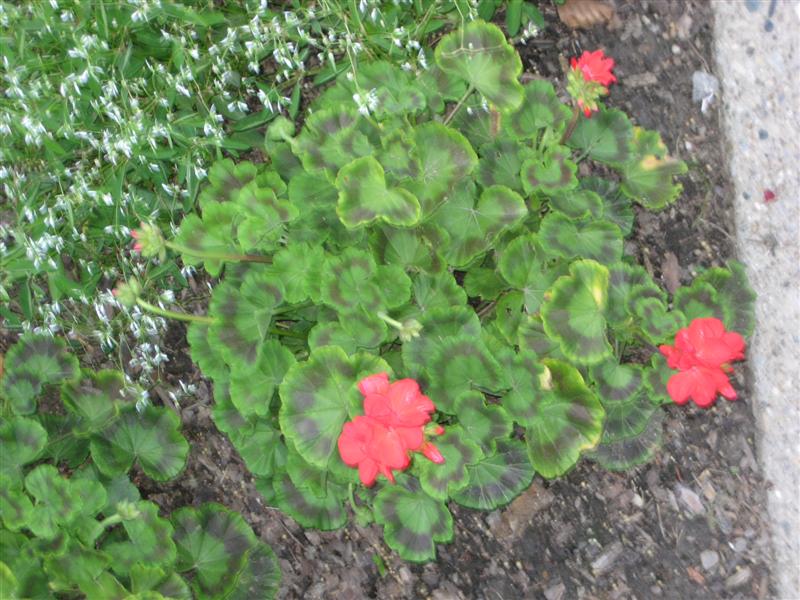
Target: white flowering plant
[[111, 114]]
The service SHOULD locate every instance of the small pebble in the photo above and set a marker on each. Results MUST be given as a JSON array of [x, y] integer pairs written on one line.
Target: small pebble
[[709, 559], [741, 577], [555, 592], [676, 49], [739, 545], [690, 500]]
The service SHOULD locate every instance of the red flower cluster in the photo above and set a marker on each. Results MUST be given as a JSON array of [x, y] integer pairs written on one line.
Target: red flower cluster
[[393, 425], [702, 353], [595, 68]]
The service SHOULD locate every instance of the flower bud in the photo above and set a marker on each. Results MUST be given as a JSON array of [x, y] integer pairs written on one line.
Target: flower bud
[[127, 510], [127, 292], [432, 453], [149, 241], [410, 329]]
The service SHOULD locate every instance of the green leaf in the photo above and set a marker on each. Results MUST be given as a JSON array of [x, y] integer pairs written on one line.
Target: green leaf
[[656, 377], [736, 297], [22, 441], [315, 197], [150, 541], [34, 361], [263, 218], [318, 396], [698, 301], [532, 337], [617, 382], [595, 239], [480, 54], [412, 520], [605, 137], [294, 266], [497, 479], [568, 421], [438, 291], [474, 227], [484, 283], [96, 400], [77, 566], [213, 543], [526, 378], [252, 386], [330, 139], [309, 508], [212, 235], [578, 204], [541, 108], [441, 480], [152, 438], [459, 365], [627, 452], [364, 197], [522, 265], [366, 329], [623, 278], [260, 578], [445, 159], [657, 324], [438, 326], [626, 418], [440, 86], [167, 584], [482, 423], [56, 503], [225, 179], [648, 176], [243, 314], [617, 208], [207, 356], [574, 313], [500, 163], [412, 249], [16, 509], [553, 173], [260, 446], [349, 282]]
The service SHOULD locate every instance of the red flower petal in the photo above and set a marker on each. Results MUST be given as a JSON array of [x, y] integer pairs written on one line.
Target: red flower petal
[[595, 66], [368, 472], [374, 384], [432, 453]]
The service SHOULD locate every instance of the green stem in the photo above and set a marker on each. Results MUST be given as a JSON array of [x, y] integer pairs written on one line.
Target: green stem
[[217, 256], [393, 322], [111, 521], [171, 314], [576, 113], [458, 106], [287, 333]]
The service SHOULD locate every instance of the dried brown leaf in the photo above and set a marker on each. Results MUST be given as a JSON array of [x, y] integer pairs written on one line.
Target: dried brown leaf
[[583, 14]]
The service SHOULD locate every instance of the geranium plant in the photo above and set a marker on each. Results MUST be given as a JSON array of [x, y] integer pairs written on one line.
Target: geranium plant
[[443, 236], [91, 535]]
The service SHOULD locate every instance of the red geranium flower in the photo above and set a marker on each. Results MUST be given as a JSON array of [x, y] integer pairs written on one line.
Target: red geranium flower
[[373, 448], [400, 404], [595, 66], [702, 353], [701, 384], [394, 424]]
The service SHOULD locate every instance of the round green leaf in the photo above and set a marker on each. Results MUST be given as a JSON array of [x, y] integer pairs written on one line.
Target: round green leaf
[[656, 377], [252, 386], [736, 297], [22, 441], [16, 509], [319, 395], [578, 204], [482, 423], [438, 325], [574, 313], [261, 577], [445, 159], [526, 378], [225, 179], [459, 365], [622, 280], [441, 480], [96, 400], [364, 197], [541, 108], [497, 479], [243, 314], [213, 543], [208, 356], [598, 240], [617, 382], [309, 508], [605, 137], [151, 437], [500, 164], [568, 421], [480, 54], [213, 234], [56, 502], [617, 207], [627, 452], [412, 520], [34, 361], [150, 541], [553, 173], [439, 291], [522, 265], [648, 175], [330, 139]]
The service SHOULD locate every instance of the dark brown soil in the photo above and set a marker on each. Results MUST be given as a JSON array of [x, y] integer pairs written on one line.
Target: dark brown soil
[[690, 525]]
